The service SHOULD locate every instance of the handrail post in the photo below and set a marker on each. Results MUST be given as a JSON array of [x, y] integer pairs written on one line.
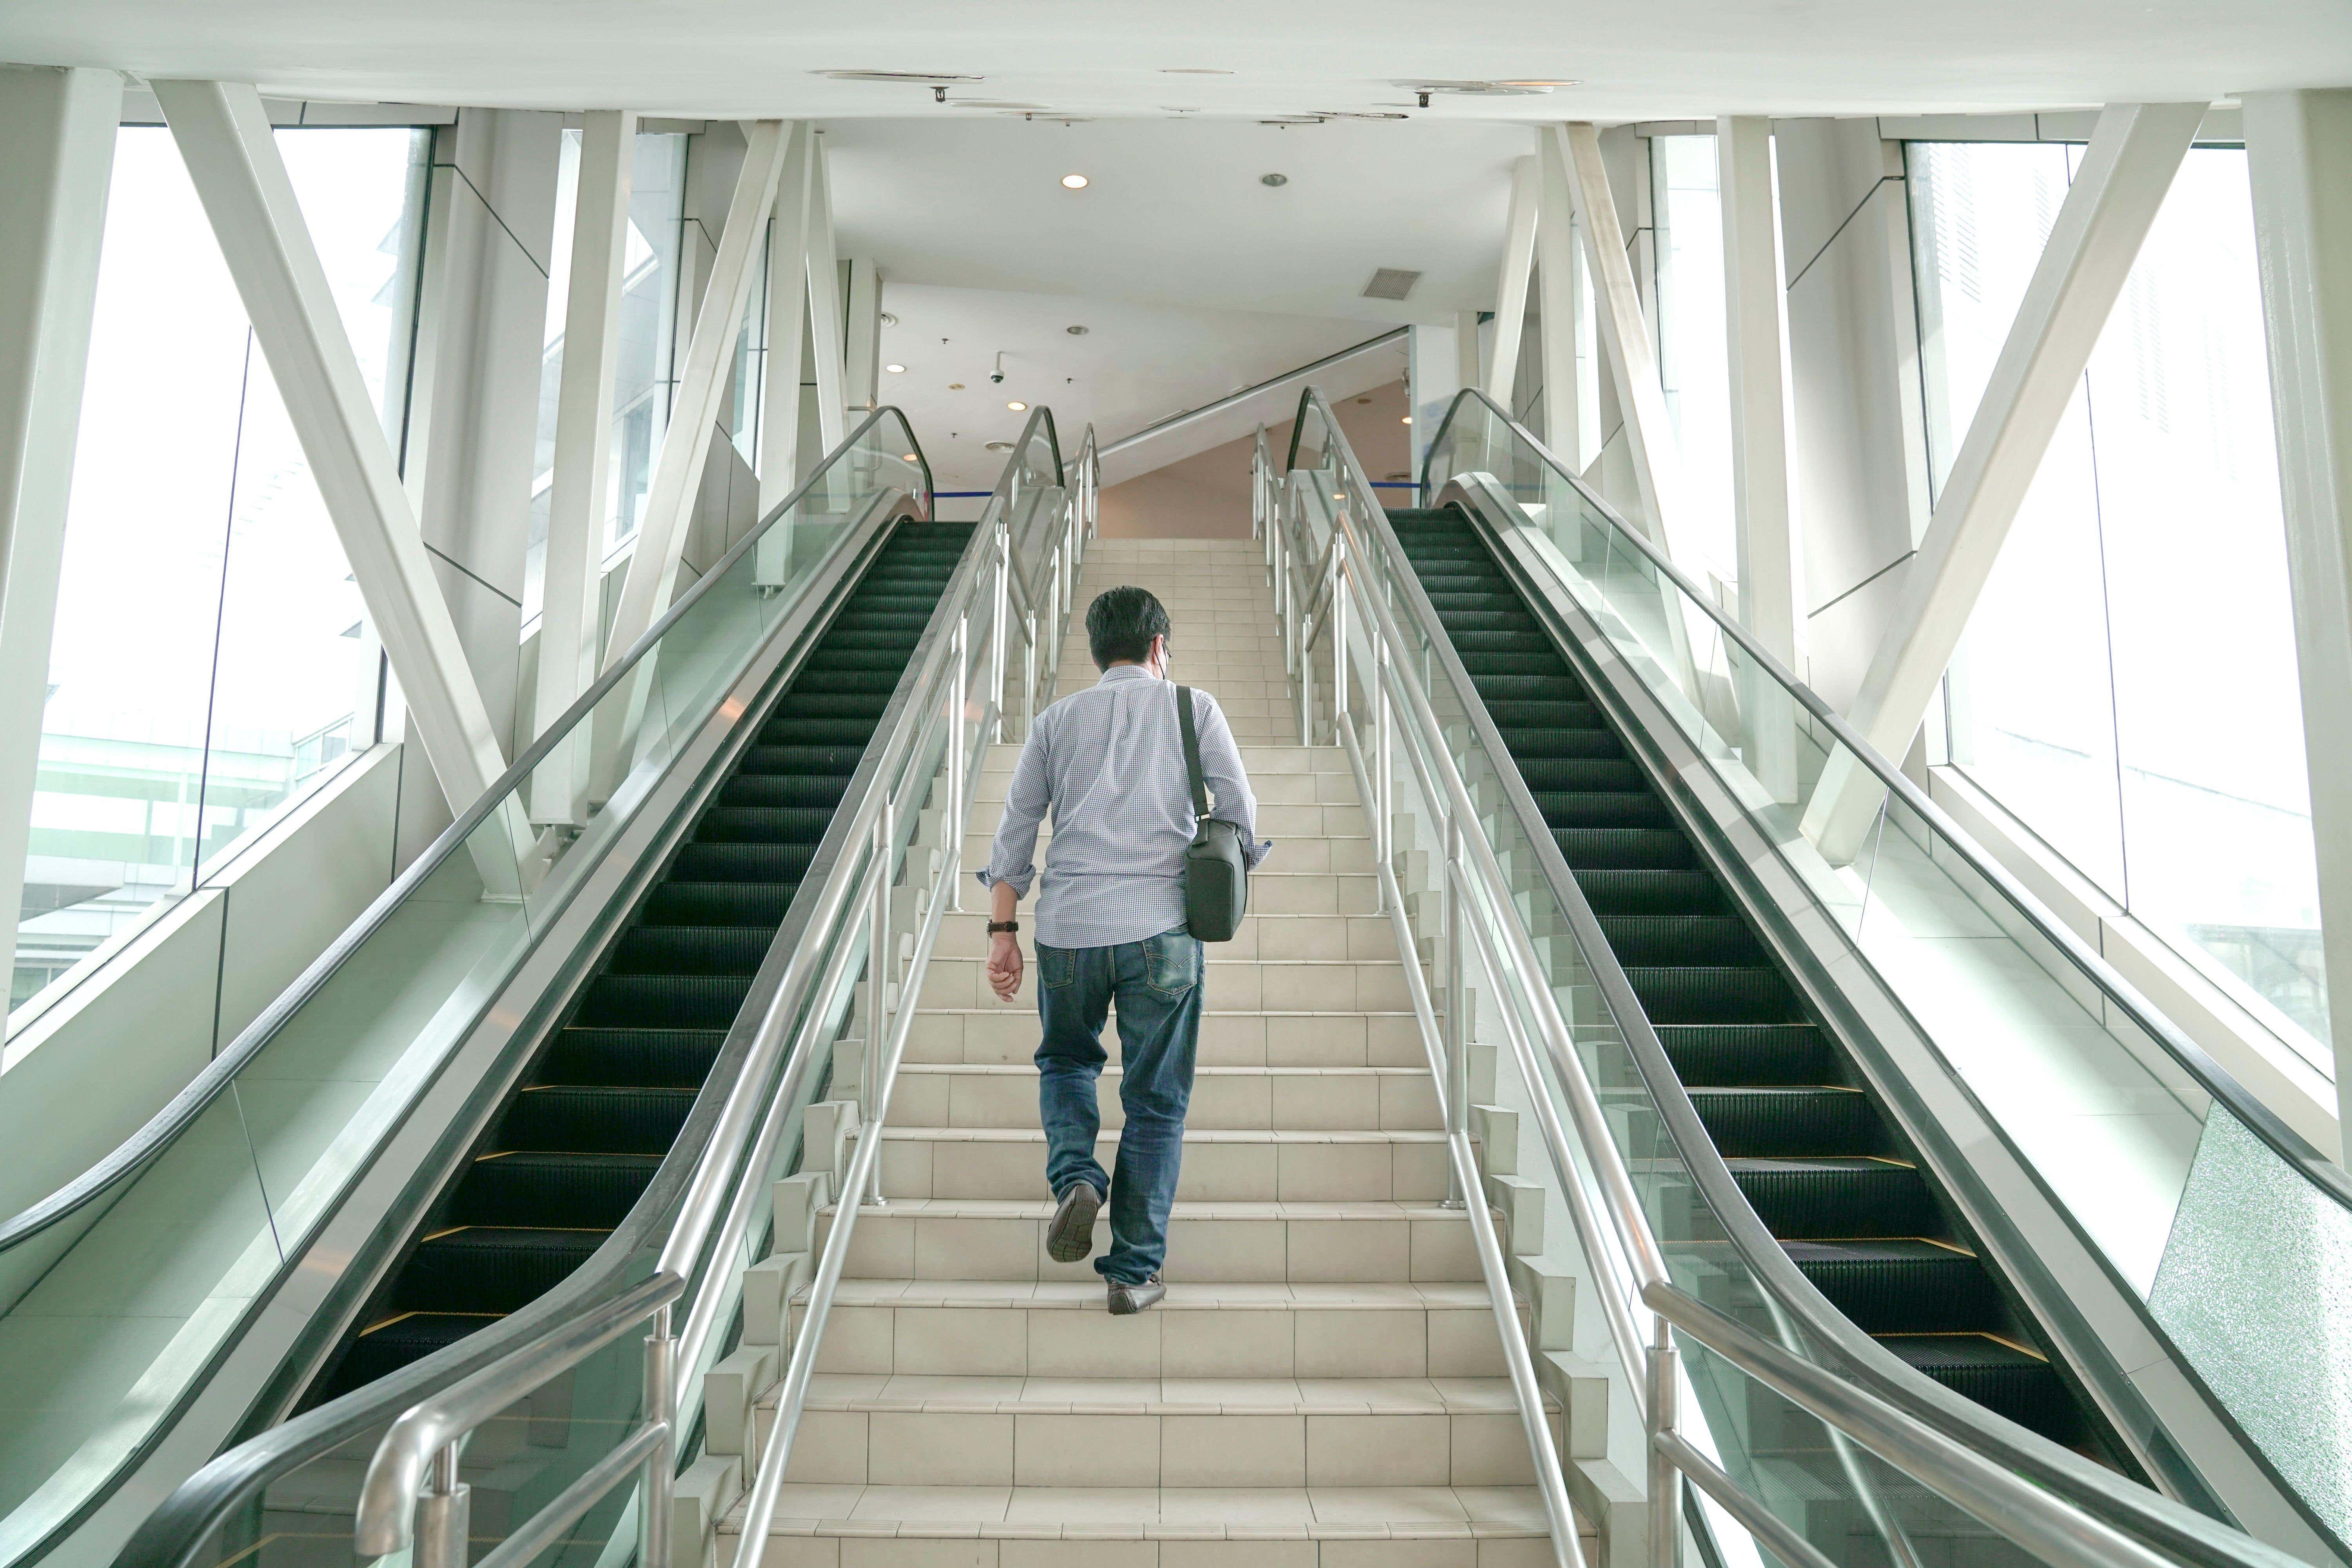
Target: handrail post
[[1666, 1481], [1384, 779], [952, 811], [661, 1465], [444, 1515], [877, 992], [1000, 617], [1338, 633], [1457, 1058]]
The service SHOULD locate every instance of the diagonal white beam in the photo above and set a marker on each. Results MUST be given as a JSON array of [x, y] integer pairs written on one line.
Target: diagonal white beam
[[1557, 269], [826, 311], [1757, 336], [224, 139], [702, 384], [56, 158], [862, 372], [2135, 150], [583, 443], [1625, 335], [779, 397], [1511, 288]]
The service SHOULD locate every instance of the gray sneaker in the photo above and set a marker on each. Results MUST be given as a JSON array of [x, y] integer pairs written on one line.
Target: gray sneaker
[[1126, 1299], [1071, 1234]]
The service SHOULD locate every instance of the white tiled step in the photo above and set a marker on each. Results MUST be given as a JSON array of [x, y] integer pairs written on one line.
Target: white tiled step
[[1302, 1099], [1230, 1165], [1006, 1033], [1241, 1243], [856, 1526], [1260, 935], [1338, 984], [1059, 1329], [905, 1430]]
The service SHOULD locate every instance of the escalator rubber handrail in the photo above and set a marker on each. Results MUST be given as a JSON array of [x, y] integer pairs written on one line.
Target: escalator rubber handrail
[[2211, 1075], [148, 1143], [2099, 1492]]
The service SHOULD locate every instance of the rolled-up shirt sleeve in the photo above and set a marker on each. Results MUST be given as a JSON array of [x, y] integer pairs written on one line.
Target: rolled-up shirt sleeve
[[1011, 859], [1230, 799]]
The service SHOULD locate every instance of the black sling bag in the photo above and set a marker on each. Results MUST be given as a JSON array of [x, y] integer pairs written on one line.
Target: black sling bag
[[1216, 873]]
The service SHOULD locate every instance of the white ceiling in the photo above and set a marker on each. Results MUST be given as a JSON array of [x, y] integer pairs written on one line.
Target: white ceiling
[[1657, 58]]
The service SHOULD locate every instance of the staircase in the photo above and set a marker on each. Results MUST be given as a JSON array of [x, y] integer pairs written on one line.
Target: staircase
[[1323, 1386]]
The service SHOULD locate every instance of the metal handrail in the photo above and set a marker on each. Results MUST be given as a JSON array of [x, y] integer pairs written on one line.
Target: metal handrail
[[2053, 1528], [2210, 1076]]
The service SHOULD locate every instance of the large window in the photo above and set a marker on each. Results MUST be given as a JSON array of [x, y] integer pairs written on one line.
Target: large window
[[211, 660], [2127, 687], [1694, 362], [642, 380]]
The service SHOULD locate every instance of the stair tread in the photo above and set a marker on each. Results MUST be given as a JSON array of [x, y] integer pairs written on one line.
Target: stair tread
[[1174, 1513], [1086, 1295], [1112, 1069], [1191, 1135], [1157, 1395], [1215, 1208]]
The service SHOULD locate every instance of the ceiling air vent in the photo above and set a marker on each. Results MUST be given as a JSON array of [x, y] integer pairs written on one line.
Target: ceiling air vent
[[1390, 283]]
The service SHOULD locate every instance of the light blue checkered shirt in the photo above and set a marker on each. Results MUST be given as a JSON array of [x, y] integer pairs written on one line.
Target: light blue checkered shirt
[[1110, 762]]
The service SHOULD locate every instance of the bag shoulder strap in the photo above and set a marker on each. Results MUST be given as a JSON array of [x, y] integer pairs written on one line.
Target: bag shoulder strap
[[1192, 752]]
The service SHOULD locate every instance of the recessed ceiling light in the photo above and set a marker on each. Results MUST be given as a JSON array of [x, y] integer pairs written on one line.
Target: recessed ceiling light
[[1292, 119], [1017, 406], [1360, 114], [1407, 418], [997, 445], [955, 387], [895, 369], [888, 320], [925, 77], [1073, 182], [908, 458], [1076, 332], [1193, 70], [1274, 179]]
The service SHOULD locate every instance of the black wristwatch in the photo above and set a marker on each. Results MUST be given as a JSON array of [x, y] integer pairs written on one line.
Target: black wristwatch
[[996, 926]]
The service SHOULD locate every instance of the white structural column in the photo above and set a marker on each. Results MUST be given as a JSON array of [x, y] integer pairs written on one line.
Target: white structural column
[[826, 311], [1433, 375], [1511, 288], [2135, 150], [701, 386], [57, 155], [779, 397], [583, 443], [2299, 147], [863, 367], [1757, 336], [1626, 333], [1556, 270], [224, 139]]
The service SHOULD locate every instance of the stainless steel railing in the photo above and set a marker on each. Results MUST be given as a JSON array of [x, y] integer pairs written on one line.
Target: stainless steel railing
[[1356, 582]]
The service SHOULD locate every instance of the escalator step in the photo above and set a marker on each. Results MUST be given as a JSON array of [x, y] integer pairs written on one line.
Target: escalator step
[[1481, 644], [743, 862], [800, 757], [1551, 743], [1649, 941], [1999, 1376], [583, 1118], [861, 683], [808, 703], [824, 790], [1621, 891], [1564, 773], [1559, 711], [652, 1058], [1604, 808], [1714, 993], [764, 825], [1759, 1055], [844, 657], [1788, 1121], [762, 904], [590, 1192], [692, 950], [1486, 666], [384, 1349], [1900, 1285], [1624, 848], [664, 1000], [1522, 688], [488, 1268], [849, 732], [896, 642], [1837, 1198]]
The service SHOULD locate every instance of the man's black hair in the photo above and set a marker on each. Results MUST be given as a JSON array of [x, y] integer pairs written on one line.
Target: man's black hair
[[1121, 624]]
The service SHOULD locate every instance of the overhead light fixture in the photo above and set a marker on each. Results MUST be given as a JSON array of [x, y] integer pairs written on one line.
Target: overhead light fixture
[[1287, 120], [888, 320], [895, 369], [997, 445], [955, 387], [926, 78], [1073, 182], [908, 458], [1076, 332], [1422, 90], [1407, 418], [1017, 406], [1360, 114], [1275, 180]]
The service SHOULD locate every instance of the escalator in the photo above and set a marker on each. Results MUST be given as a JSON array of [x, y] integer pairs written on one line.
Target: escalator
[[1819, 1161], [574, 1147]]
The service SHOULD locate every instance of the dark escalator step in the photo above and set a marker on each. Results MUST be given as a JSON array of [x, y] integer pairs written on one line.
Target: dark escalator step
[[835, 655], [1513, 619], [1538, 743], [801, 703], [1999, 1376], [692, 950], [585, 1192], [852, 733], [1756, 1054], [1450, 602], [1547, 664], [1488, 644], [824, 790], [1907, 1285], [800, 757], [764, 825], [1542, 773], [1619, 890], [898, 642], [680, 902], [582, 1118], [653, 1059], [847, 682], [385, 1347], [1624, 848], [860, 618], [664, 1000], [1812, 1199], [1714, 993], [1604, 808], [488, 1268], [1564, 710], [1527, 687], [1652, 939], [1788, 1122], [742, 862]]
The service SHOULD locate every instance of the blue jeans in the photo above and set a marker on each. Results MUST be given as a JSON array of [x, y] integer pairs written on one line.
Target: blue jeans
[[1157, 982]]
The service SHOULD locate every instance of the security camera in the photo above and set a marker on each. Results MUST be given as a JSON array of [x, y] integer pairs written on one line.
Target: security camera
[[998, 376]]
